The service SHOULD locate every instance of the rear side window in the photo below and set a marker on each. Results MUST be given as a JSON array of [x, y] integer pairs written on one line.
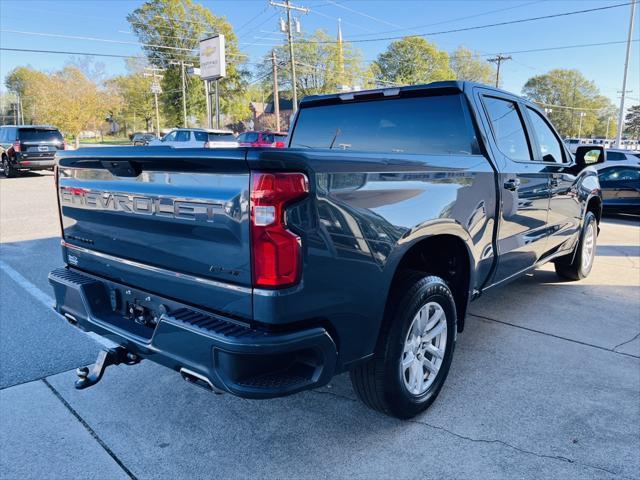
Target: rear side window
[[508, 129], [616, 156], [201, 136], [435, 125], [39, 135], [183, 136]]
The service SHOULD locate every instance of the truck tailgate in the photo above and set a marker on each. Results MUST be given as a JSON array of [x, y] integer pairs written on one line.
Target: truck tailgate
[[172, 222]]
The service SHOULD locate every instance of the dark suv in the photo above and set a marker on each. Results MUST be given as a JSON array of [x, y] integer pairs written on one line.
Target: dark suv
[[29, 147]]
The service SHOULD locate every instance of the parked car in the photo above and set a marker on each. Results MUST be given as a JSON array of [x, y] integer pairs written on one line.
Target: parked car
[[573, 143], [221, 139], [262, 139], [620, 157], [265, 272], [197, 138], [28, 147], [620, 188], [141, 139]]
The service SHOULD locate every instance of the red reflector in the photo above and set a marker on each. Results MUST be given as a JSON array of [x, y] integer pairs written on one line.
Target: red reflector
[[275, 250]]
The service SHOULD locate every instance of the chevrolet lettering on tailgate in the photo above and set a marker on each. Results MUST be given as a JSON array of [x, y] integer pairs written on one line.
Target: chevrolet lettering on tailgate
[[141, 205]]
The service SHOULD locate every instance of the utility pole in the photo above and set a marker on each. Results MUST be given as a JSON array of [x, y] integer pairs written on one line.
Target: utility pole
[[276, 97], [498, 59], [184, 88], [155, 89], [582, 115], [624, 77], [288, 7]]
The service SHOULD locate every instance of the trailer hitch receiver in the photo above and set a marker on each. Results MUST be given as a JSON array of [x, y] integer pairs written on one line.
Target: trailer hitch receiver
[[91, 374]]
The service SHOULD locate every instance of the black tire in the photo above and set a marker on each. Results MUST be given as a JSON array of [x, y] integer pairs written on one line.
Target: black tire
[[381, 382], [572, 267], [7, 168]]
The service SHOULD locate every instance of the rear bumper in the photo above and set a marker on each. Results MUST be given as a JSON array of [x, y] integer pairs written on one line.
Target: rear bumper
[[25, 161], [232, 356]]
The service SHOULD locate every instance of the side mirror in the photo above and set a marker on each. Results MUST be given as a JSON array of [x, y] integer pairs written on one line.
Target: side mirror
[[588, 155]]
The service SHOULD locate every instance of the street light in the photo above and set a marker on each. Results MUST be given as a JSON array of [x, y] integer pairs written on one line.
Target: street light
[[582, 114]]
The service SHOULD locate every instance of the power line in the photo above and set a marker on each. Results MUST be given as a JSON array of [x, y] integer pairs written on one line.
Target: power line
[[89, 54], [365, 15], [479, 27], [488, 12], [107, 40]]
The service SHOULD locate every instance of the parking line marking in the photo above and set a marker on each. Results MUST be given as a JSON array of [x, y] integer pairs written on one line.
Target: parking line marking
[[47, 301]]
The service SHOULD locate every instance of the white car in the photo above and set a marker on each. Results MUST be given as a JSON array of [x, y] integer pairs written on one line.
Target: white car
[[197, 138]]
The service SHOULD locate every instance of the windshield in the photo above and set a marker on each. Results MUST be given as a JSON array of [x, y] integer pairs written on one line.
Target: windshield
[[40, 135], [426, 125]]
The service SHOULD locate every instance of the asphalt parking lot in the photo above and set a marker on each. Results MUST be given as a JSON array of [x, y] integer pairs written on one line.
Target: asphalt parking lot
[[545, 383]]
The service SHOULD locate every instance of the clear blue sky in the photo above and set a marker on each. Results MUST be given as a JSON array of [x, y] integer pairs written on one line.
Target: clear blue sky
[[361, 19]]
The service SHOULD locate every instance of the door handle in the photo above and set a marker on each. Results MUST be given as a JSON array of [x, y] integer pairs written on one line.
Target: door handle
[[512, 184]]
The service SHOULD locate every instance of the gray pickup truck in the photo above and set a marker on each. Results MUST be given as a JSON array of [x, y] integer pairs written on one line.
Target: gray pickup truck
[[265, 272]]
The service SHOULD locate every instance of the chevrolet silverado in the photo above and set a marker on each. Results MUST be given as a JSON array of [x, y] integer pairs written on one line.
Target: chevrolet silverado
[[265, 272]]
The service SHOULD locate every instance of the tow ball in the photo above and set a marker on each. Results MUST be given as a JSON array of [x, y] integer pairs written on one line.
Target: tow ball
[[91, 374]]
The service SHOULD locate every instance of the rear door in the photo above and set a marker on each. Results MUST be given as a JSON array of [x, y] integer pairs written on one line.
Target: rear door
[[172, 224], [523, 185]]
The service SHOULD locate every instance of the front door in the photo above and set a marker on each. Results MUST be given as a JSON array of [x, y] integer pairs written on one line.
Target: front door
[[523, 184], [565, 208]]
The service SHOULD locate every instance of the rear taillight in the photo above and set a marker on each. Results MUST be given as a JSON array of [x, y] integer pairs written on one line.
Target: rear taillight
[[16, 146], [275, 251]]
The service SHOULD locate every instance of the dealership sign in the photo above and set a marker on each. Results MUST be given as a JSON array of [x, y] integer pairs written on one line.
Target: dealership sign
[[212, 58]]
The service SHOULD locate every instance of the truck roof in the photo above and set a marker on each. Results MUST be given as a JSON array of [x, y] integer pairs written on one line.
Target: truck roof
[[449, 85]]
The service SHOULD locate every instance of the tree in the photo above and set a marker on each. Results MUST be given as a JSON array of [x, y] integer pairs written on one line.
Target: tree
[[321, 67], [632, 121], [410, 61], [171, 31], [468, 65], [66, 99], [136, 98], [568, 93]]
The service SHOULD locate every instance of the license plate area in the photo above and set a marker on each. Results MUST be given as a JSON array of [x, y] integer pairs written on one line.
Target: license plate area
[[132, 310]]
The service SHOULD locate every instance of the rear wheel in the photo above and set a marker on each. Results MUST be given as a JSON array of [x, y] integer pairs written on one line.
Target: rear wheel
[[7, 168], [415, 349], [578, 266]]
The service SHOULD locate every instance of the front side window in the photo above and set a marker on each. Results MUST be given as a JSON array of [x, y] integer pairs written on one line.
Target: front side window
[[508, 129], [550, 148], [169, 137], [432, 125]]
